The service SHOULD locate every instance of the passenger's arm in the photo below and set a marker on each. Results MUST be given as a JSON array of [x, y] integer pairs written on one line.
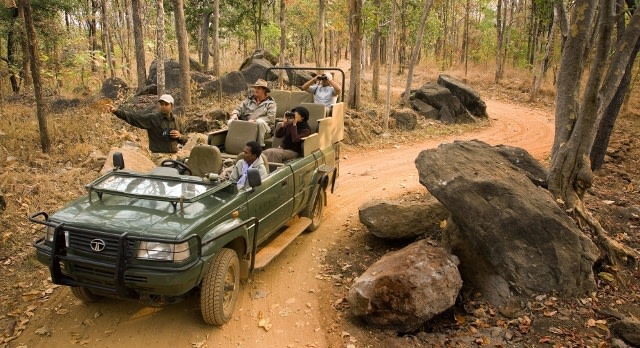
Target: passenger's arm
[[336, 87], [308, 84]]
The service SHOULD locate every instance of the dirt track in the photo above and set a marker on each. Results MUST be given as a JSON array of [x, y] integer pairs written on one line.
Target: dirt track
[[286, 294]]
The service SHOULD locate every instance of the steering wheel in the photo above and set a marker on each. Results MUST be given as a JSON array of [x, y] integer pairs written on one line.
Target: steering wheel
[[181, 167]]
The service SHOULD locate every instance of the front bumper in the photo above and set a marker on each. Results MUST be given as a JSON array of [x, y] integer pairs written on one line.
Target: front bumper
[[117, 273]]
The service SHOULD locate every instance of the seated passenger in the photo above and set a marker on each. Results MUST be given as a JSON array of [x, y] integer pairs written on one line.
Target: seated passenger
[[252, 159], [294, 128], [259, 108], [325, 90]]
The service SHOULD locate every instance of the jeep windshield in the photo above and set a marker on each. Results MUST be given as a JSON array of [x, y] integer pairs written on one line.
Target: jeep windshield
[[166, 188]]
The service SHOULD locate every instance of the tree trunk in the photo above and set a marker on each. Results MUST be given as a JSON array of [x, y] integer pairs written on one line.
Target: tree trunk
[[539, 74], [611, 111], [283, 41], [183, 52], [32, 45], [375, 56], [93, 37], [570, 174], [204, 58], [499, 41], [26, 78], [107, 41], [11, 49], [392, 33], [141, 68], [355, 31], [416, 49], [216, 38], [160, 81], [320, 55]]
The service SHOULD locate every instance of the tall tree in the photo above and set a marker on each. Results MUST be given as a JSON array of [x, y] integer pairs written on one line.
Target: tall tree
[[183, 52], [141, 68], [355, 33], [320, 61], [32, 44], [416, 49], [283, 40], [216, 38], [392, 34], [106, 39], [375, 54], [204, 33], [577, 117], [160, 49], [601, 141]]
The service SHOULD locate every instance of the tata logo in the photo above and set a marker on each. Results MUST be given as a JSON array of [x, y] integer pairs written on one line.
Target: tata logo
[[97, 245]]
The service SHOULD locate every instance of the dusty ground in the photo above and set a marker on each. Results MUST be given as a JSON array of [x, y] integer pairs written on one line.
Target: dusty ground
[[302, 292]]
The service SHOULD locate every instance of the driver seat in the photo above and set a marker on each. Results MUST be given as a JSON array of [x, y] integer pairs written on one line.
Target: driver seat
[[204, 159]]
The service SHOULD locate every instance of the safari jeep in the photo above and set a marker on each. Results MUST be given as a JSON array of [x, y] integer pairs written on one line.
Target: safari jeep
[[180, 228]]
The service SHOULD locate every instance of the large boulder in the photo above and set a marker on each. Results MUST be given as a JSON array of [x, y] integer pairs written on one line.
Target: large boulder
[[172, 74], [450, 109], [114, 88], [297, 77], [523, 160], [232, 83], [401, 219], [406, 288], [510, 235], [467, 95], [405, 119], [424, 109], [135, 158], [257, 70]]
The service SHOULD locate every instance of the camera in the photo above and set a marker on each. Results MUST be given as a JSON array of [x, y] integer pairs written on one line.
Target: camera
[[167, 133], [289, 115], [322, 77]]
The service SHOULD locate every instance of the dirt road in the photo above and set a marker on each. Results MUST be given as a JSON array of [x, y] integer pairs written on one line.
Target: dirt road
[[286, 295]]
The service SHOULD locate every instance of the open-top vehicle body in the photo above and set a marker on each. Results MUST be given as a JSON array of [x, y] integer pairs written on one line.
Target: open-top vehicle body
[[161, 235]]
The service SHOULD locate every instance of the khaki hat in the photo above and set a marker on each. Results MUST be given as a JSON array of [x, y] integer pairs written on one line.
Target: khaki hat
[[166, 98], [262, 83]]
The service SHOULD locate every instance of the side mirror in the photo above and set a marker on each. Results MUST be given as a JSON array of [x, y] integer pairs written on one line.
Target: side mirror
[[118, 160], [253, 176]]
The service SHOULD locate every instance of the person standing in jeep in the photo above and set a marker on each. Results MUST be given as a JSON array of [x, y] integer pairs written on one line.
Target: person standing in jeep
[[163, 128]]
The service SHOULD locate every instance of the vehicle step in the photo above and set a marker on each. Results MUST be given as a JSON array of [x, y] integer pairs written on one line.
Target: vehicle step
[[271, 250]]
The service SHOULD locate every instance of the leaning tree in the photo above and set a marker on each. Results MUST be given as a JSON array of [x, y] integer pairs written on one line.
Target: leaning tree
[[578, 116]]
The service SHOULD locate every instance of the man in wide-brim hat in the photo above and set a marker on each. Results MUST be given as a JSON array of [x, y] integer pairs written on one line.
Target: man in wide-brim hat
[[259, 108]]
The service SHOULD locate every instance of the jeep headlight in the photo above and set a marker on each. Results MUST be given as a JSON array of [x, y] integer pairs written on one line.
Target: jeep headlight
[[164, 251], [49, 236]]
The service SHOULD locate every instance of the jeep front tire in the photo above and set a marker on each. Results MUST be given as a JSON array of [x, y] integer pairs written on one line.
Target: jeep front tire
[[85, 295], [220, 287]]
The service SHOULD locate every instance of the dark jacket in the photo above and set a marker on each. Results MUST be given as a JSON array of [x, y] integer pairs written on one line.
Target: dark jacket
[[155, 123], [293, 135]]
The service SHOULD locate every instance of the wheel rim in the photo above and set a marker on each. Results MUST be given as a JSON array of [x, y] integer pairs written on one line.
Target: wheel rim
[[230, 285], [317, 209]]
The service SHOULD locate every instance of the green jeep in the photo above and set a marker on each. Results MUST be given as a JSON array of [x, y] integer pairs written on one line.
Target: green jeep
[[159, 236]]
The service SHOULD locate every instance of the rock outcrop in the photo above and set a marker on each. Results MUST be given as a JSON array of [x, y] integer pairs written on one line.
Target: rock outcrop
[[510, 235]]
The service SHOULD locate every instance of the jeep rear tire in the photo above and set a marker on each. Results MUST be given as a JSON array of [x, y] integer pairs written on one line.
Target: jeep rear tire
[[85, 295], [220, 287], [314, 210]]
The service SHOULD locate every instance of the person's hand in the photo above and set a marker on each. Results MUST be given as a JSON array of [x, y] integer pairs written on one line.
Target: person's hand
[[233, 117], [111, 108], [175, 134], [285, 122], [254, 121]]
